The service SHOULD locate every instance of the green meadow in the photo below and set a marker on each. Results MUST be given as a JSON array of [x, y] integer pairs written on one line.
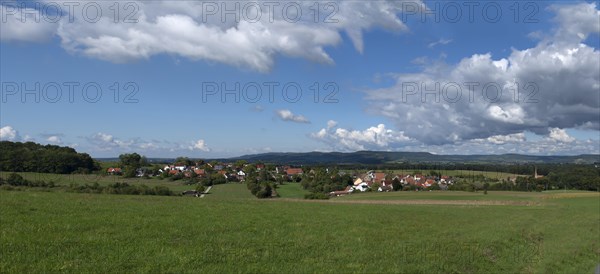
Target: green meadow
[[81, 179], [231, 231]]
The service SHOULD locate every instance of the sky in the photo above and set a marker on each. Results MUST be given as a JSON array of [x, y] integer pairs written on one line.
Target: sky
[[220, 79]]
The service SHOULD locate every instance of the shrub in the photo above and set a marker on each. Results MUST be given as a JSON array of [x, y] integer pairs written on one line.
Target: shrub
[[15, 179], [316, 196], [539, 188]]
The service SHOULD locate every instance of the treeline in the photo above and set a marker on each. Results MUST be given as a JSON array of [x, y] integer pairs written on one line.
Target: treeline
[[33, 157], [321, 181], [16, 181], [572, 176], [260, 183], [429, 168]]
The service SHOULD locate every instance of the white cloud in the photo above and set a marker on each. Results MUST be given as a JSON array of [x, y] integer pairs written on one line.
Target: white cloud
[[503, 139], [377, 137], [442, 41], [54, 139], [8, 133], [199, 145], [331, 124], [106, 142], [287, 115], [560, 135], [183, 28], [31, 27], [109, 145], [558, 82]]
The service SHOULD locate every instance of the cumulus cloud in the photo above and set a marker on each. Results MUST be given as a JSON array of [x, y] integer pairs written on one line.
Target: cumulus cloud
[[54, 139], [377, 137], [552, 85], [199, 145], [560, 135], [380, 138], [188, 29], [8, 133], [331, 124], [108, 144], [24, 24], [503, 139], [288, 116]]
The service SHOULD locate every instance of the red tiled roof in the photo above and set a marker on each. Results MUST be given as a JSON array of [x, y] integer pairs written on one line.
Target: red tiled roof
[[199, 171], [379, 176], [293, 171]]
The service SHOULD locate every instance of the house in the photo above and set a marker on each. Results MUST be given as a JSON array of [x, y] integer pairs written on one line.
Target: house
[[361, 185], [260, 167], [114, 171], [364, 186], [241, 175], [294, 171], [224, 173], [428, 183], [378, 177], [200, 172]]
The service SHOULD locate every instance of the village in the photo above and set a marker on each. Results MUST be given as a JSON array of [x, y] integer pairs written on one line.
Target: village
[[241, 171]]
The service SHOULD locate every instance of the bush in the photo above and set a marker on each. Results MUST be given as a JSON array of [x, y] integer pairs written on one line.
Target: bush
[[316, 196], [15, 179], [539, 188]]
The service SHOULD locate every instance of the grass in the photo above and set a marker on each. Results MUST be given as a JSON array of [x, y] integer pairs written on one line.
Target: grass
[[81, 179], [443, 195], [291, 190], [230, 231]]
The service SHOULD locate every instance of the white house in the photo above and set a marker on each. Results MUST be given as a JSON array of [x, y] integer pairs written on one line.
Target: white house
[[360, 185]]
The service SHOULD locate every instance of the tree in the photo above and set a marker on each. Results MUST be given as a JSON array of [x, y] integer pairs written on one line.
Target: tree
[[240, 163], [183, 161], [396, 185]]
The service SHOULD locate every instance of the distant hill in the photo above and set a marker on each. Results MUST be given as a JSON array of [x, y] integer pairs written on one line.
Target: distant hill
[[383, 157]]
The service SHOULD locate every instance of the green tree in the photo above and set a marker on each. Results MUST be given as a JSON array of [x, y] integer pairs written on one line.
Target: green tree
[[396, 185]]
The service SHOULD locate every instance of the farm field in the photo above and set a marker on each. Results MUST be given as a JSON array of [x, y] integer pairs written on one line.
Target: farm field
[[231, 231]]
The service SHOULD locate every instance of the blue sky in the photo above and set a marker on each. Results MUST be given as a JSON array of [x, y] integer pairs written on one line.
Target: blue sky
[[364, 61]]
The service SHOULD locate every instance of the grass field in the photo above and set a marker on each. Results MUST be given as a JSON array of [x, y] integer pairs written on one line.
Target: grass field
[[67, 179], [291, 190], [231, 231]]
